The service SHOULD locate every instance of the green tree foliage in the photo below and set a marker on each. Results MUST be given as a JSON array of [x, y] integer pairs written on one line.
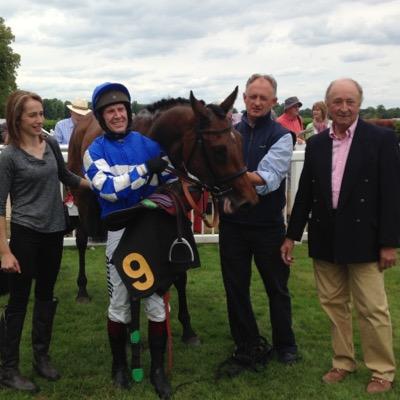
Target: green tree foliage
[[380, 112], [136, 107], [9, 62], [49, 124], [279, 109], [370, 112], [306, 113], [54, 109]]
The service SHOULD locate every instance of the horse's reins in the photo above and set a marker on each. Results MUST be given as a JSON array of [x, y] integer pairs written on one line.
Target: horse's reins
[[215, 190], [186, 182]]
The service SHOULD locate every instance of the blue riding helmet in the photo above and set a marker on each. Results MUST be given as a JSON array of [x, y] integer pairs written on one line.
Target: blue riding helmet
[[107, 94]]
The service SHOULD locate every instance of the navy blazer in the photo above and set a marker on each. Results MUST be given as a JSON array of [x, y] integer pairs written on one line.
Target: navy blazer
[[368, 213]]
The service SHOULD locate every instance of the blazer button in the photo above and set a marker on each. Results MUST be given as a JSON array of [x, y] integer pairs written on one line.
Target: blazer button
[[315, 200], [358, 220], [362, 200], [366, 180]]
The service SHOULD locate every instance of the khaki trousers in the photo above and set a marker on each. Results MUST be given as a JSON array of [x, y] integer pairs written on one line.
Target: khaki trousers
[[363, 285]]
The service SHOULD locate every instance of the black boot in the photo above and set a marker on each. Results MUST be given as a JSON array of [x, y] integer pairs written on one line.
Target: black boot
[[119, 370], [251, 356], [11, 325], [158, 377], [42, 328]]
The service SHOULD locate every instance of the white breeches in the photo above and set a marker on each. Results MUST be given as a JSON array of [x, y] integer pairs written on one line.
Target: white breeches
[[119, 307]]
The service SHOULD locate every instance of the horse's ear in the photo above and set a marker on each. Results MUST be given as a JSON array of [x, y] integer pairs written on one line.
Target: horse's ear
[[227, 104], [198, 106]]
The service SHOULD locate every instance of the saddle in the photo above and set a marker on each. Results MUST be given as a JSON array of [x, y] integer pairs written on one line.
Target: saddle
[[157, 244]]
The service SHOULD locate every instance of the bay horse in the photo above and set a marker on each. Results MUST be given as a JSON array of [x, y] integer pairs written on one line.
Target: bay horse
[[384, 122], [199, 141]]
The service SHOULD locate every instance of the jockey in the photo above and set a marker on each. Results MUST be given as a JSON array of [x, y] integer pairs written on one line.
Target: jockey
[[125, 167]]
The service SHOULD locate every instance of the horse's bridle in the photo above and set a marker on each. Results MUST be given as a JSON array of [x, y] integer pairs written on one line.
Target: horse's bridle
[[217, 191], [217, 188]]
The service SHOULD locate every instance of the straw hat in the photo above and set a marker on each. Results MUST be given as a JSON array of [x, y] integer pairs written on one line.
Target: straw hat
[[79, 106]]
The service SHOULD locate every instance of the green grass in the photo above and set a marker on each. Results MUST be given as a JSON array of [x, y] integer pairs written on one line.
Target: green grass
[[80, 348]]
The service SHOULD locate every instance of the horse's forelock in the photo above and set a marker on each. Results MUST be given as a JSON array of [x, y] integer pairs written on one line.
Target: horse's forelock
[[217, 110]]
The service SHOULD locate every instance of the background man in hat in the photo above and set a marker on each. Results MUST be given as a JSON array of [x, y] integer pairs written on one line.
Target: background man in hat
[[63, 129], [291, 118]]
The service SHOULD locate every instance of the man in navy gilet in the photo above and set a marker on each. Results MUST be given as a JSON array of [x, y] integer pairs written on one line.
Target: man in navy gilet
[[257, 233]]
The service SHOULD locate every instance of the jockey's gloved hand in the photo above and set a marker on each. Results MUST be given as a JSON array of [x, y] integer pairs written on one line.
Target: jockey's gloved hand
[[156, 165]]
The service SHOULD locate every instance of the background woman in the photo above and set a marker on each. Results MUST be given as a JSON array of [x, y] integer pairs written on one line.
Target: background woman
[[30, 175], [320, 120]]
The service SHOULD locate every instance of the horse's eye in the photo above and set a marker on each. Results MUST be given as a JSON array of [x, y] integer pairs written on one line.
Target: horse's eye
[[220, 154]]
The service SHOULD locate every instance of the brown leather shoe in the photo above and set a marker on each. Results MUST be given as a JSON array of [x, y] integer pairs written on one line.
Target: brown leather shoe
[[379, 385], [335, 375]]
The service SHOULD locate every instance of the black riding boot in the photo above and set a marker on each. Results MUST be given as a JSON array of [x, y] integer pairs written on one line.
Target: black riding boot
[[11, 325], [158, 377], [117, 335], [42, 328]]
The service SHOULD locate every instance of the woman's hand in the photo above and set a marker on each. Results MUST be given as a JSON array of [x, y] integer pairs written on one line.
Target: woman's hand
[[10, 264]]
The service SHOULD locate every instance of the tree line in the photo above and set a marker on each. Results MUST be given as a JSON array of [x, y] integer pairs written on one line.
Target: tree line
[[55, 109], [370, 112]]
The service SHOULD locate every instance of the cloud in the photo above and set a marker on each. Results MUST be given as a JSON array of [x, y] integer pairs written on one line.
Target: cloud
[[359, 56], [377, 25], [162, 48]]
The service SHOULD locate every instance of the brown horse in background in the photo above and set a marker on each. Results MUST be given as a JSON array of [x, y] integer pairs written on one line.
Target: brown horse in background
[[384, 122], [199, 140]]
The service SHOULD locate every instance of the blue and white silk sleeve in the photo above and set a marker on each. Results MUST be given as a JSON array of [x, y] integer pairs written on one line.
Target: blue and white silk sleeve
[[275, 165], [112, 182]]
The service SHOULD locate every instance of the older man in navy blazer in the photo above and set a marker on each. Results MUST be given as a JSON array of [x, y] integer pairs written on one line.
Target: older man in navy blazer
[[349, 194]]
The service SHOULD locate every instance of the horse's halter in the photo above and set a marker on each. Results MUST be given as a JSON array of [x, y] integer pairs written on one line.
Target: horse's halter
[[218, 188]]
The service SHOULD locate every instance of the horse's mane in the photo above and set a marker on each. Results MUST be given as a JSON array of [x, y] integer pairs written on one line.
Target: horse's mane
[[165, 104]]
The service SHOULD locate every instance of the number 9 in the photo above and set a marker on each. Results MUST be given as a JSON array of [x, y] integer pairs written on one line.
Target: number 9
[[143, 270]]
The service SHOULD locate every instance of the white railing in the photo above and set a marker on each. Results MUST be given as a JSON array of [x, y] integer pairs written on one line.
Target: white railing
[[211, 236]]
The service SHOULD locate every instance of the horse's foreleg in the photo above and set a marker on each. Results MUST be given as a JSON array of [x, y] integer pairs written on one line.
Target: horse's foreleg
[[81, 244], [189, 336]]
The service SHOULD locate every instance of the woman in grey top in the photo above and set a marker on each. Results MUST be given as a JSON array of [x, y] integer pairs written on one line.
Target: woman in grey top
[[30, 175]]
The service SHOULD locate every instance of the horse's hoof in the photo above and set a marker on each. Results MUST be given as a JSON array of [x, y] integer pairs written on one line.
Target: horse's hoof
[[83, 299], [192, 341]]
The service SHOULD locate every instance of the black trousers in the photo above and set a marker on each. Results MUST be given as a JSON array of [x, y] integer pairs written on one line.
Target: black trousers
[[238, 246], [39, 256]]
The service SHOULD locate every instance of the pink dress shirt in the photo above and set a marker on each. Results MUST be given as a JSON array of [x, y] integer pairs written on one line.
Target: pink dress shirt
[[340, 152]]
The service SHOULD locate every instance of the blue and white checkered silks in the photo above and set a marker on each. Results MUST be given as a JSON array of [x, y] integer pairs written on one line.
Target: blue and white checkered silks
[[117, 171]]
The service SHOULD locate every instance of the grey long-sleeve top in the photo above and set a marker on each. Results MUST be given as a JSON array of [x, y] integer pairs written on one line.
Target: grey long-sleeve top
[[34, 188]]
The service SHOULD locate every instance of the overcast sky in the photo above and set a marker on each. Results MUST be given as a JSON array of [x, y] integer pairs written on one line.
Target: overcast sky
[[166, 48]]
